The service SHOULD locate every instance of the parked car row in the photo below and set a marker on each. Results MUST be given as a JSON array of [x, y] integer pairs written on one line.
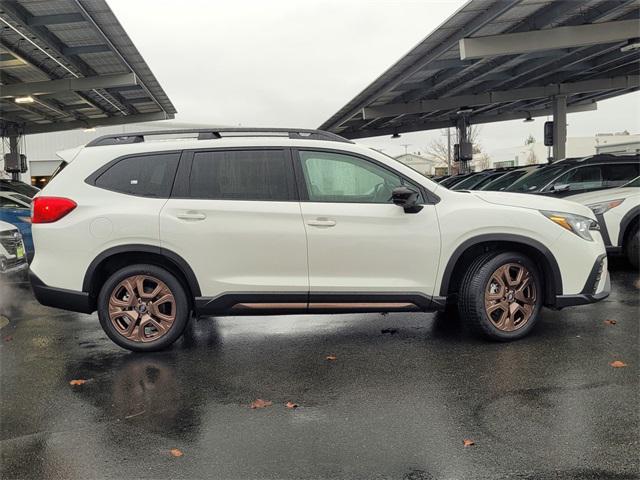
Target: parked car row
[[15, 214], [606, 183]]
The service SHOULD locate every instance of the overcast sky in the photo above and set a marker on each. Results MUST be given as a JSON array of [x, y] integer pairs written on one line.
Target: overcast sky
[[294, 63]]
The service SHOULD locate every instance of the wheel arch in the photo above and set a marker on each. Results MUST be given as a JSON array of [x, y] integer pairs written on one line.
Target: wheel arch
[[114, 258], [468, 250], [630, 218]]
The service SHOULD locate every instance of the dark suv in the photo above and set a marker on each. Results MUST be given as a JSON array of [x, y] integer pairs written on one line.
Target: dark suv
[[580, 175]]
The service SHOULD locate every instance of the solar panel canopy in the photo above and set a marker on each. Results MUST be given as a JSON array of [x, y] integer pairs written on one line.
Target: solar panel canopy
[[68, 64], [496, 60]]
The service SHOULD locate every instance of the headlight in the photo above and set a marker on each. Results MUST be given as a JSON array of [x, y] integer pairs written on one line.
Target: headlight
[[574, 223], [600, 208]]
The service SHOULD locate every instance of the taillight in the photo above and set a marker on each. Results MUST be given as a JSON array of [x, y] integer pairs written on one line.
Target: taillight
[[50, 209]]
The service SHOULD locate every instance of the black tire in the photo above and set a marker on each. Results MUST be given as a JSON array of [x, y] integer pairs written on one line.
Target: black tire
[[632, 245], [182, 309], [471, 301]]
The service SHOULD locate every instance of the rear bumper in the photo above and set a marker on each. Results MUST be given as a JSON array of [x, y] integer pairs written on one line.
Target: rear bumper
[[60, 297], [596, 288]]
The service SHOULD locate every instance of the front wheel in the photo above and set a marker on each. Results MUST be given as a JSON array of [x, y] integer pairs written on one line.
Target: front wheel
[[143, 308], [501, 296]]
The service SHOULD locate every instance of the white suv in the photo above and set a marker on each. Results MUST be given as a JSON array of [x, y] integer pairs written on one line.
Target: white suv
[[240, 221]]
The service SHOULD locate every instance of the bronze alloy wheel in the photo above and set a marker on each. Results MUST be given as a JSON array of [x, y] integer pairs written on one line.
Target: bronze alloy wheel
[[142, 308], [510, 297]]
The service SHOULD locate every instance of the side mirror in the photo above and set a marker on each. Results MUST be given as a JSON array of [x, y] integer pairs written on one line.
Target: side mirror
[[406, 198], [561, 187]]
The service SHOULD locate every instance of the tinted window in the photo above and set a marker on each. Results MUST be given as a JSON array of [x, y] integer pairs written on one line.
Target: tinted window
[[617, 174], [8, 203], [582, 178], [335, 177], [145, 176], [240, 175]]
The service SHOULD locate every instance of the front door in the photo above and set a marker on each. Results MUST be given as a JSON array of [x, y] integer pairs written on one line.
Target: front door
[[361, 246], [234, 217]]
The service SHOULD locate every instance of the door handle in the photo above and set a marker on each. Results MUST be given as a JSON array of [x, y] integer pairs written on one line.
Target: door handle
[[191, 216], [321, 222]]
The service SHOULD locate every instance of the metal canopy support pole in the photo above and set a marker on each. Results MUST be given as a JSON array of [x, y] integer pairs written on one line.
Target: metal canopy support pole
[[13, 150], [559, 127], [462, 126]]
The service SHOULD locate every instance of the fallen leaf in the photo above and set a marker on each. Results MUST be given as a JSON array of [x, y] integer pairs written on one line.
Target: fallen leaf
[[610, 322], [8, 338], [80, 381], [618, 364], [390, 331], [291, 405], [331, 358], [467, 442], [176, 453], [260, 403]]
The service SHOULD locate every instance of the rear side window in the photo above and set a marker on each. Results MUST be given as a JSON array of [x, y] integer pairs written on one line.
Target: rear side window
[[617, 174], [240, 175], [143, 176]]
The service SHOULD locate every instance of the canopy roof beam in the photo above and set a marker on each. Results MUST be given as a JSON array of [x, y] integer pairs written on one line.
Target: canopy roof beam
[[447, 103], [548, 39], [68, 85]]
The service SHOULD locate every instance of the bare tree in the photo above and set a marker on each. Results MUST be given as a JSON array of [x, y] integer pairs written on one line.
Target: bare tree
[[438, 149]]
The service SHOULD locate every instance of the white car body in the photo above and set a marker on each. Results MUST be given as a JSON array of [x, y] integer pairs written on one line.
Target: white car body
[[614, 221], [317, 254]]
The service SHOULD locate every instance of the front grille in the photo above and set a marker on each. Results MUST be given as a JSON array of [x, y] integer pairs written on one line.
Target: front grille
[[10, 243]]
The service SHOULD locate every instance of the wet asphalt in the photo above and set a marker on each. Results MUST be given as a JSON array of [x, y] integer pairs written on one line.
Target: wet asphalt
[[393, 405]]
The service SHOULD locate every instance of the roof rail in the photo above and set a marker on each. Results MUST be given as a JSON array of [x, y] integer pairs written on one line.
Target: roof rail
[[213, 133]]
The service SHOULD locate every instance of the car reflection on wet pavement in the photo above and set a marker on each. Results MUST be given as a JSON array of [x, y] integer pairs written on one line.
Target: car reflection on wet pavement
[[396, 404]]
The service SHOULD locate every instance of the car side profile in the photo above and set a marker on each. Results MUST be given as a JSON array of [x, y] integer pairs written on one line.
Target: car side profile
[[253, 221], [618, 213], [580, 175]]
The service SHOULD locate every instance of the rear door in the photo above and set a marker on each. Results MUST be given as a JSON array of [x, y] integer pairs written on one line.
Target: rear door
[[235, 218]]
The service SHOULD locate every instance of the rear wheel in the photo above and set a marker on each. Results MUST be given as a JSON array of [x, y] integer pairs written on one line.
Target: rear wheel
[[143, 308], [632, 245], [501, 295]]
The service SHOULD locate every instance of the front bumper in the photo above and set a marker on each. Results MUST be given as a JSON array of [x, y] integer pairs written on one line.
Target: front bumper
[[596, 288], [15, 273], [60, 297]]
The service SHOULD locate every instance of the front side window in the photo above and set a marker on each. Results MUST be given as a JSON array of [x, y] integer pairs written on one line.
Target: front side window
[[617, 174], [341, 178], [240, 175], [144, 176], [582, 178]]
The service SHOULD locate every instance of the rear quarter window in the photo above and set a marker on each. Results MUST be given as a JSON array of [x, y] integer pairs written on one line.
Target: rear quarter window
[[148, 175]]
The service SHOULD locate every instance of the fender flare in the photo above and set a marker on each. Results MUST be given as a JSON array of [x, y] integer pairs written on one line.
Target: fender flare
[[552, 263], [626, 220], [172, 257]]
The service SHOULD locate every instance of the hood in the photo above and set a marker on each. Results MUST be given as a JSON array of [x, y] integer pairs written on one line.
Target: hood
[[604, 195], [533, 202]]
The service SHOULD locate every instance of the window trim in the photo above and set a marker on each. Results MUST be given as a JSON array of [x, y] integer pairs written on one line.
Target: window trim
[[181, 188], [429, 198], [91, 179]]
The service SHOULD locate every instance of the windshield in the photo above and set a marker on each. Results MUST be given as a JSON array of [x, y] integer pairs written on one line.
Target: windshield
[[451, 181], [20, 187], [538, 179], [633, 183], [469, 182], [504, 181]]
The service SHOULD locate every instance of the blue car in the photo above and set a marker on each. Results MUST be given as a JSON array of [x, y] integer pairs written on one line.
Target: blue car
[[15, 209]]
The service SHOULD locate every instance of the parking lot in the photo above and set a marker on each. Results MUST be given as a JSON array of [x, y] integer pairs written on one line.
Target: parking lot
[[401, 396]]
